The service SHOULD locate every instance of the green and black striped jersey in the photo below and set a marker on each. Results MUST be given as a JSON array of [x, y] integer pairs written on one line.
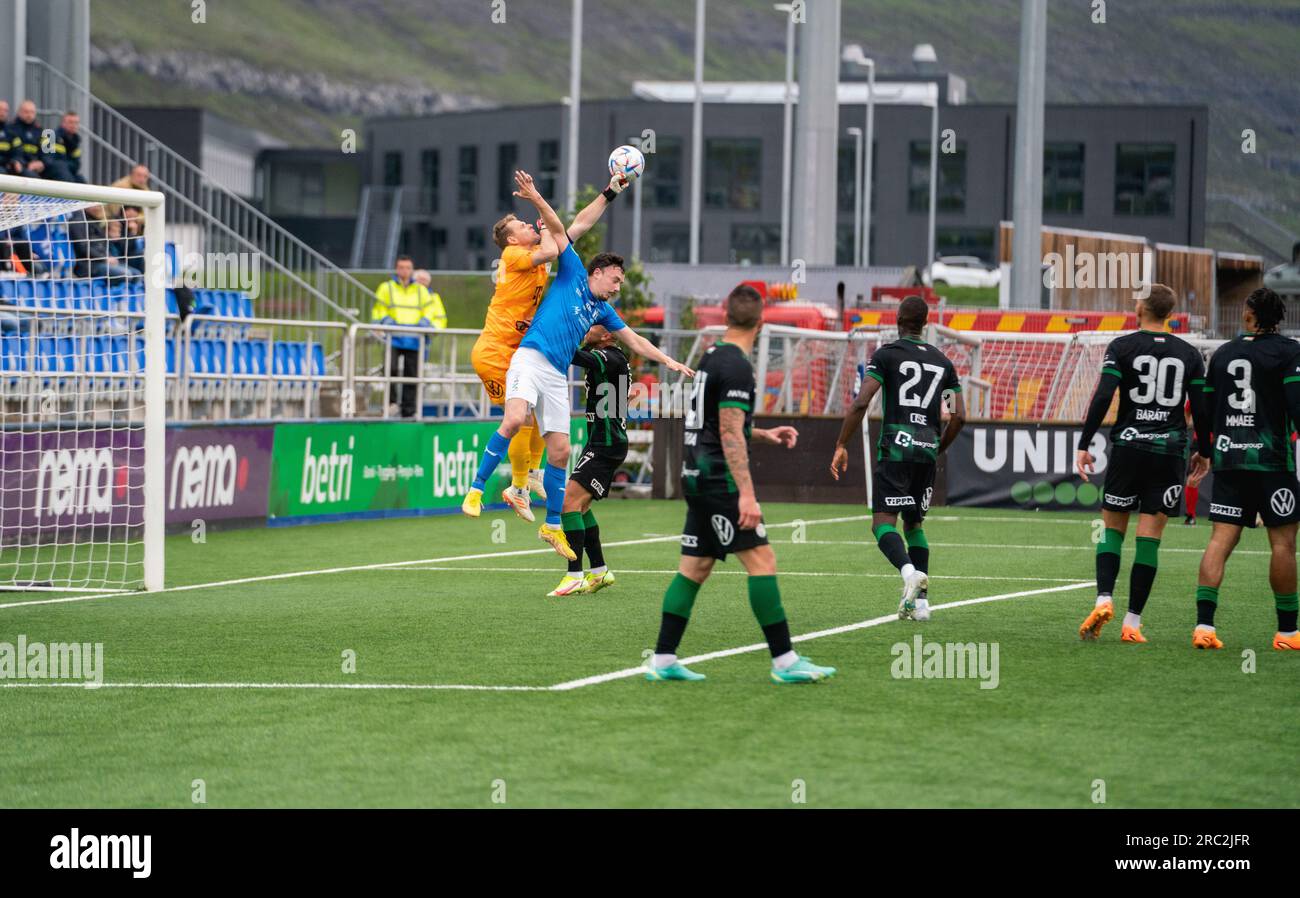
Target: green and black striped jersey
[[1157, 372], [1247, 390], [914, 376], [723, 379], [607, 385]]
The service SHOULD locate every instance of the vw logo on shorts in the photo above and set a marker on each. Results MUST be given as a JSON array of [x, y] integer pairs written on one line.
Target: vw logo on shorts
[[722, 527], [1283, 502], [760, 530], [1172, 494]]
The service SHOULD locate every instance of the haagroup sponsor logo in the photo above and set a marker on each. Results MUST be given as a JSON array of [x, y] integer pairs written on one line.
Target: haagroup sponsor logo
[[896, 501], [1132, 433], [1225, 443], [723, 529], [206, 477], [1171, 495], [77, 852], [1121, 501], [1282, 502], [1229, 511], [327, 477], [903, 438]]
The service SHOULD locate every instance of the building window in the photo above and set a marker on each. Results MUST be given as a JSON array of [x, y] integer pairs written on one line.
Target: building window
[[731, 173], [844, 244], [548, 168], [670, 243], [507, 162], [951, 194], [846, 179], [393, 169], [661, 186], [430, 171], [1063, 178], [1144, 179], [475, 249], [977, 242], [755, 244], [467, 181]]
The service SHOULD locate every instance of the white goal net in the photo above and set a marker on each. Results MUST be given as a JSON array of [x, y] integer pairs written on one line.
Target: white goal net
[[82, 319]]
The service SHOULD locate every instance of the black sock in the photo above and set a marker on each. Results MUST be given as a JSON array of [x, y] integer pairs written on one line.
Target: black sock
[[1140, 579], [891, 544], [671, 628], [778, 638], [920, 556], [1286, 621], [574, 531], [591, 541], [1205, 612]]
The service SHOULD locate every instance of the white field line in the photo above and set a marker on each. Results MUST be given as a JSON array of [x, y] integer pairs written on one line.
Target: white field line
[[265, 578], [618, 572], [987, 546], [817, 634], [566, 686]]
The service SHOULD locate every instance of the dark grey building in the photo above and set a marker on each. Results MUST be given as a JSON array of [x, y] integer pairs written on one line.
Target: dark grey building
[[1122, 169]]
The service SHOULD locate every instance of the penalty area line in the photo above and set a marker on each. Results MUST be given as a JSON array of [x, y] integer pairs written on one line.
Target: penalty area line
[[805, 637], [567, 686], [379, 566]]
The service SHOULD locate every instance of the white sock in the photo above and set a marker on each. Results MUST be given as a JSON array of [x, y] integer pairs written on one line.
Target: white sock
[[662, 661], [907, 571], [474, 489], [781, 662], [550, 526], [1208, 627], [1103, 598], [1132, 620], [599, 571], [1292, 633]]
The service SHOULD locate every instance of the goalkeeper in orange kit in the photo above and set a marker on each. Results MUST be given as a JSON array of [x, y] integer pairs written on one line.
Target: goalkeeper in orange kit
[[521, 278]]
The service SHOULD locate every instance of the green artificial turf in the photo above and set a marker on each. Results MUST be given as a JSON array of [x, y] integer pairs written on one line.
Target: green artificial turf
[[1160, 724]]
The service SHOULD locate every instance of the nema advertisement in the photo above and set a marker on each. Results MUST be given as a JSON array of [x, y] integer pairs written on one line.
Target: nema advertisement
[[217, 473]]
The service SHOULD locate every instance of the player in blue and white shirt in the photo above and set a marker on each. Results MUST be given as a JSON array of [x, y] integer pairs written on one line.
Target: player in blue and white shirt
[[538, 375]]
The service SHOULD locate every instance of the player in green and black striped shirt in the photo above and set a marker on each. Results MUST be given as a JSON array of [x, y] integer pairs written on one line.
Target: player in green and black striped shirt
[[1253, 399], [607, 384]]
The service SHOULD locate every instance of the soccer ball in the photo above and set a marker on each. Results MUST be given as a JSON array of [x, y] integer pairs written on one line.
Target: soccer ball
[[626, 161]]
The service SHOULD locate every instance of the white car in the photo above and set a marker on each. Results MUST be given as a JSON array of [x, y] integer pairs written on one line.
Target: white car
[[960, 271]]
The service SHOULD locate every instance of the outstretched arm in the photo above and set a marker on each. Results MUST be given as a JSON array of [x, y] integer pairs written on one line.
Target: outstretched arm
[[584, 220], [852, 424], [527, 190], [644, 348], [547, 251]]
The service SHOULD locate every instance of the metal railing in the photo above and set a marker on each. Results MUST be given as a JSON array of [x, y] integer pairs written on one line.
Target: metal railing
[[300, 283]]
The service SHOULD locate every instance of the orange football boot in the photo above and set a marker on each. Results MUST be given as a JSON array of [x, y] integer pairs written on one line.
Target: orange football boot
[[1281, 642], [1206, 639], [1096, 619], [1131, 634]]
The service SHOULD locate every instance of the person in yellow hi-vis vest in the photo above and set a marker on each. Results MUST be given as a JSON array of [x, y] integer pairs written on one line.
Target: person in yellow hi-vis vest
[[404, 301]]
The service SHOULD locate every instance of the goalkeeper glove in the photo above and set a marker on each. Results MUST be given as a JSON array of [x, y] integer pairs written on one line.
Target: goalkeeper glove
[[617, 185]]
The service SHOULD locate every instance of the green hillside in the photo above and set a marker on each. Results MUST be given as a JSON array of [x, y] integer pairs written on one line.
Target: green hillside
[[1239, 58]]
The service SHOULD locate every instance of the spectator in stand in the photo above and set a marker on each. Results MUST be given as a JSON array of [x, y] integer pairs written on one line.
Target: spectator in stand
[[26, 155], [133, 239], [6, 149], [95, 239], [403, 301], [65, 161], [136, 179]]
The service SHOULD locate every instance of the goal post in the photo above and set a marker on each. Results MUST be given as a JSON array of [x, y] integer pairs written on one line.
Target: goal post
[[83, 317]]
